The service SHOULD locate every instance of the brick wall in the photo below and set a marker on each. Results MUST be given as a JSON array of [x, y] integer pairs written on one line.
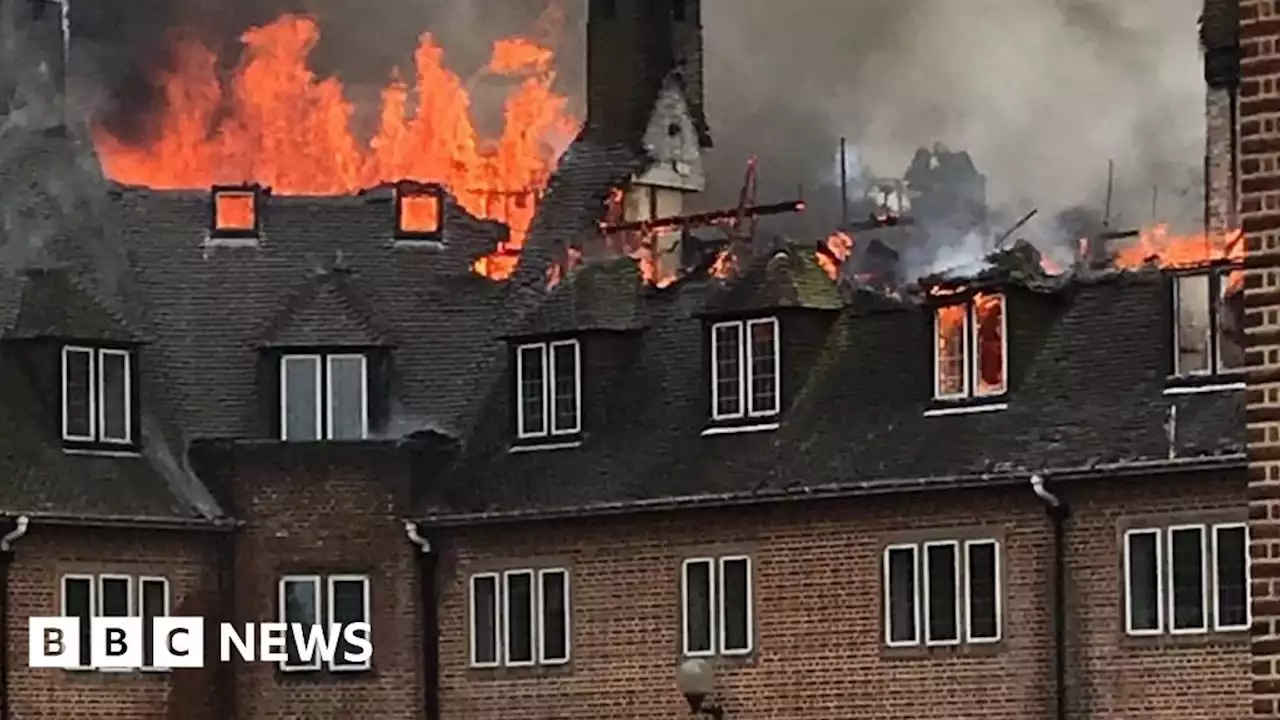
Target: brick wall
[[1260, 218], [1220, 177], [333, 509], [818, 614], [40, 560]]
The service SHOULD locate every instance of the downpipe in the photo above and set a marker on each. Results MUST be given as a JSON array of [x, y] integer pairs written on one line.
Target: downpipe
[[6, 561], [428, 562], [1057, 512]]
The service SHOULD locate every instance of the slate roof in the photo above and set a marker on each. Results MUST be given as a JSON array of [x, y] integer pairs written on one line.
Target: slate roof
[[1088, 373]]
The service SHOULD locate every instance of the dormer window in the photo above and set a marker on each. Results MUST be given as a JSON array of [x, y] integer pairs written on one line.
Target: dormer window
[[324, 396], [235, 212], [419, 212], [970, 349], [1208, 328], [98, 397], [548, 389], [745, 368]]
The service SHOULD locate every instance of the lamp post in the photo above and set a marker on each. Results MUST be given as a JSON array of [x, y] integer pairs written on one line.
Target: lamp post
[[696, 679]]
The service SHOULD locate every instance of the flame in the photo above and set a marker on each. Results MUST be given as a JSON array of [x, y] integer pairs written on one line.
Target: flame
[[725, 265], [1156, 245], [989, 364], [839, 246], [277, 123]]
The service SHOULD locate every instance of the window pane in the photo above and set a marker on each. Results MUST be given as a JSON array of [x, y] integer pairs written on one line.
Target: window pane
[[990, 374], [941, 607], [300, 606], [1143, 563], [1192, 324], [519, 588], [951, 323], [114, 399], [77, 601], [484, 614], [555, 631], [1230, 557], [113, 597], [984, 621], [1187, 563], [155, 601], [301, 389], [564, 364], [726, 347], [348, 607], [347, 397], [764, 367], [736, 604], [532, 385], [78, 420], [1231, 337], [697, 606], [900, 565]]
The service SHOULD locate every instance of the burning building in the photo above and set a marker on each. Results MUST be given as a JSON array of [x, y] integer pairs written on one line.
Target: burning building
[[553, 432]]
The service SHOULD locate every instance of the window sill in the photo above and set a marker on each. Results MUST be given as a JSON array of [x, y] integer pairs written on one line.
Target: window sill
[[419, 243], [740, 429], [941, 409], [935, 652], [1167, 640], [102, 452], [1199, 386], [231, 241], [549, 445], [737, 660]]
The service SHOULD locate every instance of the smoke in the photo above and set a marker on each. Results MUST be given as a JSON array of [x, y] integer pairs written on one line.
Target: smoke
[[1041, 94]]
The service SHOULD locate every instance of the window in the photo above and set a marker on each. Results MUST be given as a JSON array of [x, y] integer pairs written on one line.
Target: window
[[324, 396], [418, 211], [942, 592], [310, 600], [745, 367], [1209, 336], [97, 395], [970, 349], [520, 618], [89, 596], [1186, 579], [716, 606], [548, 389], [235, 212]]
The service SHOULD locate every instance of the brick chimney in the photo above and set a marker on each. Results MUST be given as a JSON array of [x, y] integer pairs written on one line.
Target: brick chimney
[[1259, 132], [1220, 40]]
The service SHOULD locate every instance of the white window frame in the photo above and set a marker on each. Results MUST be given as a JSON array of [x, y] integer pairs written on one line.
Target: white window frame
[[327, 430], [1128, 582], [102, 355], [92, 398], [143, 580], [712, 601], [722, 624], [1215, 577], [1214, 355], [746, 372], [336, 664], [135, 601], [1204, 580], [282, 599], [130, 592], [968, 593], [971, 359], [959, 614], [321, 431], [497, 620], [915, 595], [540, 602], [504, 608], [547, 357], [93, 603]]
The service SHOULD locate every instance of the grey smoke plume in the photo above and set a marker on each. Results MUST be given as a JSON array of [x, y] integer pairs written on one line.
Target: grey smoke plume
[[1040, 93]]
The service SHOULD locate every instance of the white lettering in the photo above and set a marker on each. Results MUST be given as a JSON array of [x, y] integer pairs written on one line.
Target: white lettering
[[316, 639], [358, 635], [271, 643], [243, 643]]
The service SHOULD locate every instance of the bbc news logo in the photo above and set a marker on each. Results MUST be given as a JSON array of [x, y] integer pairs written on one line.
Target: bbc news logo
[[117, 643]]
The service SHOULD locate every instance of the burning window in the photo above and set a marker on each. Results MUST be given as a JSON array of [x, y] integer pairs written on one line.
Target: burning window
[[970, 349], [745, 366], [418, 212], [548, 389], [1209, 334], [235, 212], [97, 395]]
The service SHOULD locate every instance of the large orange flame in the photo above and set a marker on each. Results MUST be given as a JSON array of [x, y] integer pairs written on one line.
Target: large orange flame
[[1157, 245], [276, 123]]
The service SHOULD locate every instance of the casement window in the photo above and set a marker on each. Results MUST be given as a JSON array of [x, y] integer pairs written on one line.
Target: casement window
[[324, 397], [520, 618], [716, 601], [746, 360], [942, 592], [327, 601], [97, 396], [1186, 579], [1208, 330], [107, 595], [970, 349], [548, 389]]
